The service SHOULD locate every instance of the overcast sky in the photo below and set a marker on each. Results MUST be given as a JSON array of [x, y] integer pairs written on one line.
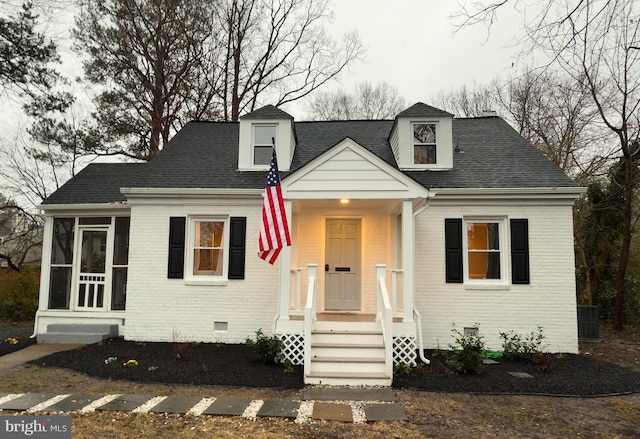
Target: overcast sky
[[411, 44]]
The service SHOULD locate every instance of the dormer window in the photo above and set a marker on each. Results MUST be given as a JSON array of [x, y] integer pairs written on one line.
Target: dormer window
[[424, 143], [264, 135]]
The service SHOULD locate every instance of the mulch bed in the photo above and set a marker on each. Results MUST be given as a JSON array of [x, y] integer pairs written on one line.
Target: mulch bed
[[565, 375], [184, 363], [238, 365], [17, 331]]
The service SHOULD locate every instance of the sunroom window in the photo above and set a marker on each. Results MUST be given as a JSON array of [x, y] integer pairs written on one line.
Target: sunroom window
[[483, 250], [61, 263], [264, 136], [424, 143], [208, 237]]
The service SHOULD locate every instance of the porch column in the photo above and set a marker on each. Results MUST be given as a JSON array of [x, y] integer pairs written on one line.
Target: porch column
[[408, 256], [45, 267], [285, 271]]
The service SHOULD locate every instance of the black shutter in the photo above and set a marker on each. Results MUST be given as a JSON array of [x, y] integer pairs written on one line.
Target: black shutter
[[453, 244], [176, 247], [237, 240], [519, 251]]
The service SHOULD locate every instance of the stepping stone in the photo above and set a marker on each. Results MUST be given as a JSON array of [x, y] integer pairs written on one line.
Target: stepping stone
[[227, 407], [520, 375], [337, 394], [489, 361], [125, 403], [176, 404], [332, 412], [279, 409], [384, 412], [73, 403], [26, 401]]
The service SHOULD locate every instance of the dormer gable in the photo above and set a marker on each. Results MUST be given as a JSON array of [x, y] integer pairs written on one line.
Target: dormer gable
[[257, 129], [422, 138]]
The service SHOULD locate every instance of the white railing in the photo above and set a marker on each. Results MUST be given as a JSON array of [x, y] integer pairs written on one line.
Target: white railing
[[384, 314], [295, 291], [309, 315], [396, 282]]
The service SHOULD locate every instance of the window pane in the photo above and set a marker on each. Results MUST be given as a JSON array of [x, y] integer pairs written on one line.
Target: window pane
[[94, 246], [207, 262], [209, 233], [424, 154], [262, 155], [424, 133], [121, 244], [262, 134], [483, 236], [59, 287], [119, 289], [62, 247], [95, 221], [484, 265]]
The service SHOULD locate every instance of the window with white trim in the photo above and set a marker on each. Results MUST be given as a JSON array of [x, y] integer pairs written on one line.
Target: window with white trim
[[208, 248], [424, 143], [484, 257], [263, 138]]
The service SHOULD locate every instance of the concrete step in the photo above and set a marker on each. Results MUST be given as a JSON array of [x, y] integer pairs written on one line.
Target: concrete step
[[77, 333], [351, 367], [348, 379]]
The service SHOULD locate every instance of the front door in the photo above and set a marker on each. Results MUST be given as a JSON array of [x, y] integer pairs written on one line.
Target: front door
[[342, 265], [92, 274]]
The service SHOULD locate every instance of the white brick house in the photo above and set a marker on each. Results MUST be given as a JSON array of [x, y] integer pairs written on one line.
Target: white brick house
[[400, 230]]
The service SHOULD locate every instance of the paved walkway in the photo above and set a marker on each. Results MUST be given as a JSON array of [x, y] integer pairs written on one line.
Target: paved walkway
[[357, 405]]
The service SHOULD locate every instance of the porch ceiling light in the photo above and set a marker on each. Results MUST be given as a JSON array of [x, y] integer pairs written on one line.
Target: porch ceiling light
[[344, 201]]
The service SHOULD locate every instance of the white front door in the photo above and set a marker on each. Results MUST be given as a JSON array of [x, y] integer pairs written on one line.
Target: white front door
[[342, 265], [90, 293]]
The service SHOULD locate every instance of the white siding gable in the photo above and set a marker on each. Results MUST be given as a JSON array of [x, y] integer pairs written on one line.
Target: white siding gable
[[349, 171], [285, 143]]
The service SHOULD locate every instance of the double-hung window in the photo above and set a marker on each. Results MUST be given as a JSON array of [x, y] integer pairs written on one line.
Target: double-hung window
[[478, 250], [209, 244], [424, 143], [483, 252], [264, 137]]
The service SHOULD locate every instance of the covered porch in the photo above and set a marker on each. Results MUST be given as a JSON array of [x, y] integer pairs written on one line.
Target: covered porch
[[346, 285]]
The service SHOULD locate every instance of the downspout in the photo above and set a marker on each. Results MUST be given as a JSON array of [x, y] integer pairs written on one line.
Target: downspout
[[416, 313]]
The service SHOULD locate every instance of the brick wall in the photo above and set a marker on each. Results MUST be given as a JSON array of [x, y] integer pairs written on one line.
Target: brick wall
[[548, 301]]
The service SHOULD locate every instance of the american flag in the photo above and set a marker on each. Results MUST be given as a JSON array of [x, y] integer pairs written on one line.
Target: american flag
[[274, 230]]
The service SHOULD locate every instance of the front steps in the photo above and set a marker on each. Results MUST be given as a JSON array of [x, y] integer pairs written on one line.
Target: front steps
[[347, 353], [77, 333]]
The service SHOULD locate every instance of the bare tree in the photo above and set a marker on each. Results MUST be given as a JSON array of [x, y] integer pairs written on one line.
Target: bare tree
[[597, 43], [146, 59], [470, 102], [380, 101], [277, 51], [20, 235]]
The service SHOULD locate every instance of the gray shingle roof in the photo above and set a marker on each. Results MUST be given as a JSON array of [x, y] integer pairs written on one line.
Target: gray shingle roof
[[420, 109], [98, 183], [205, 155], [267, 112]]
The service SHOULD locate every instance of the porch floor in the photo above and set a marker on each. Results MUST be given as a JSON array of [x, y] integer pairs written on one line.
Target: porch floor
[[344, 317]]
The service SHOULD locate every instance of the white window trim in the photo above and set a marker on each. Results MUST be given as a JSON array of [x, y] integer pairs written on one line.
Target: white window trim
[[253, 143], [192, 279], [501, 283], [413, 144]]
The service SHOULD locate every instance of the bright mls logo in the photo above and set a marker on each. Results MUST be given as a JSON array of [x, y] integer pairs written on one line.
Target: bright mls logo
[[41, 427]]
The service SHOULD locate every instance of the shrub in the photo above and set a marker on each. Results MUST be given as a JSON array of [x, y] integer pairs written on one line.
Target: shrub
[[269, 349], [468, 350], [19, 296], [518, 347]]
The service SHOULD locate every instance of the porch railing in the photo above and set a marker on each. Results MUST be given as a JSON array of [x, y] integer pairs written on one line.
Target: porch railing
[[309, 315], [384, 314], [396, 282]]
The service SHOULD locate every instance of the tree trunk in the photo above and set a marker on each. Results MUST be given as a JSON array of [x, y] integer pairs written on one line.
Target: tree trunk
[[618, 309]]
